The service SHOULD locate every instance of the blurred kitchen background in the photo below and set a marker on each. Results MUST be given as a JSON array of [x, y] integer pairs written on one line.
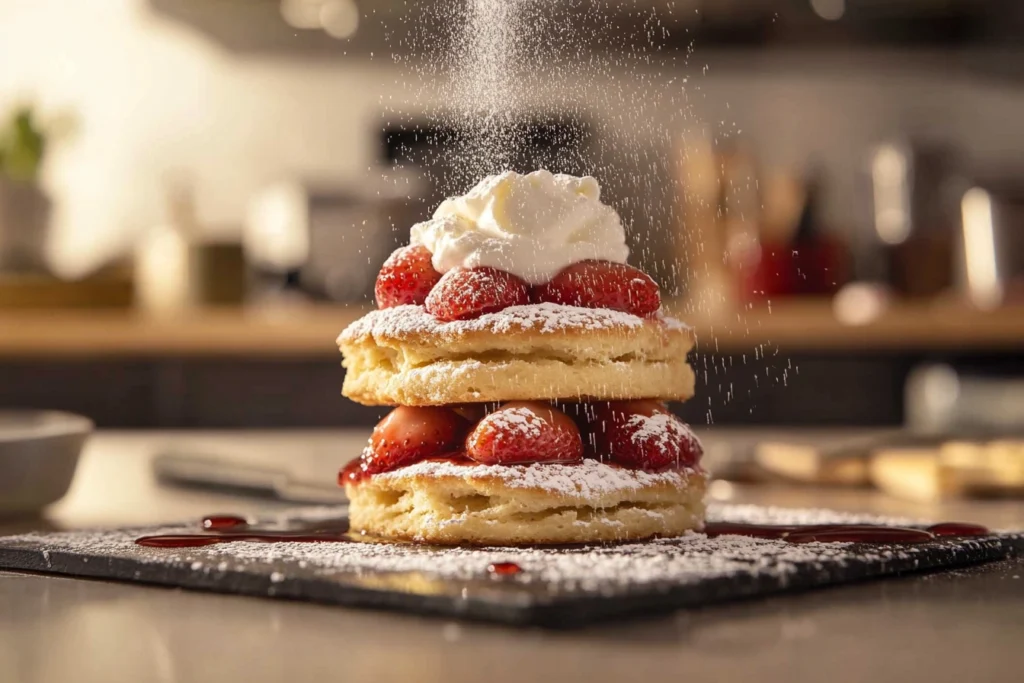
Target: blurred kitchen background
[[195, 196]]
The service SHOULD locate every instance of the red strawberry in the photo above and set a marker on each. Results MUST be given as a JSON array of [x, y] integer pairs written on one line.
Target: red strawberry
[[602, 284], [522, 432], [408, 435], [471, 292], [644, 435], [405, 278]]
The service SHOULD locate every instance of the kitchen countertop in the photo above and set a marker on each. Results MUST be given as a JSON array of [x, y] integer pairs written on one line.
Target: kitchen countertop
[[959, 625], [310, 331]]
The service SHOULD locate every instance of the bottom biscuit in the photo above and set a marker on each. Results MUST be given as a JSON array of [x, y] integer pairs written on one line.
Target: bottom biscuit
[[453, 503]]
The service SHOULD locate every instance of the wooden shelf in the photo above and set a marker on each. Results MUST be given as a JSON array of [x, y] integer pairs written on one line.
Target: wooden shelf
[[311, 331], [236, 332], [813, 326]]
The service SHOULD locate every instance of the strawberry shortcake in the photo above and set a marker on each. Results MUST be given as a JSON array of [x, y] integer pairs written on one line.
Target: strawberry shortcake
[[530, 366]]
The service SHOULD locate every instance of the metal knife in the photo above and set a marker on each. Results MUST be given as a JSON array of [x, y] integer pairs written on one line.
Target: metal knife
[[210, 473]]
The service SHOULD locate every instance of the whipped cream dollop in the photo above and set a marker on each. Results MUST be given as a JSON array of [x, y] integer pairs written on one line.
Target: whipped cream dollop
[[531, 225]]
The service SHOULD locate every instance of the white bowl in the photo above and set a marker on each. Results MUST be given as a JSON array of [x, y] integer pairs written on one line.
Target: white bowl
[[38, 455]]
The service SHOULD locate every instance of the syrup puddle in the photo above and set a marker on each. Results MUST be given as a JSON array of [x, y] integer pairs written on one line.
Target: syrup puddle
[[229, 528]]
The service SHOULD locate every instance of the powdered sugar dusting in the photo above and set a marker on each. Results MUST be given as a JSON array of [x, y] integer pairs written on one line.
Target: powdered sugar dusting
[[517, 423], [663, 430], [606, 569], [675, 323], [546, 318], [589, 479]]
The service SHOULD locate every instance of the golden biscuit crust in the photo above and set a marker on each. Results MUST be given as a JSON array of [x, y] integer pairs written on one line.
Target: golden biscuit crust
[[404, 356], [458, 504]]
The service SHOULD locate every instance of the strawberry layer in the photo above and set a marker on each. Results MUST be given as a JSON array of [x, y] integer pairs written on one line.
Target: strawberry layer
[[639, 435]]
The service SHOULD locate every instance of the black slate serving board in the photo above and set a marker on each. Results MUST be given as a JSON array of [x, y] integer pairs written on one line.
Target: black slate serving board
[[556, 587]]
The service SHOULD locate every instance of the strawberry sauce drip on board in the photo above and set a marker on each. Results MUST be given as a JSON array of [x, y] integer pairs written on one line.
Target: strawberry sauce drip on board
[[336, 531], [228, 528], [218, 522], [504, 569]]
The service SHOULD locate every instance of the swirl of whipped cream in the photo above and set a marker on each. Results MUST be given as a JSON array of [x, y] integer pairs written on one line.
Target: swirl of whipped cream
[[531, 225]]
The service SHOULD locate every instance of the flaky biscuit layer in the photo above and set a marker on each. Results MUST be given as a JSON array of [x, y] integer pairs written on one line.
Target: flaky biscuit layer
[[447, 503], [404, 356]]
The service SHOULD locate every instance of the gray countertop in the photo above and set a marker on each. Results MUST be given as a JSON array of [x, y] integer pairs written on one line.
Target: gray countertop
[[959, 625]]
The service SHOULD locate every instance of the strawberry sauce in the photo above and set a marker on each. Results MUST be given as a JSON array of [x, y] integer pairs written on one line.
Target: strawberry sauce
[[504, 569], [219, 522], [228, 528]]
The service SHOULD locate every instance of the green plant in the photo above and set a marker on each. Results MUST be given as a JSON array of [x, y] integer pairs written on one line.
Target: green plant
[[22, 146]]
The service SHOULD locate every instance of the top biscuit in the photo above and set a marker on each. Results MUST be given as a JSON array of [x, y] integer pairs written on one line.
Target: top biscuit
[[405, 356]]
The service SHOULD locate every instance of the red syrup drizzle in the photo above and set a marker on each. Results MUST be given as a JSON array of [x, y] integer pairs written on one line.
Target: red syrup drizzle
[[228, 528], [218, 522], [958, 529], [844, 533], [504, 569]]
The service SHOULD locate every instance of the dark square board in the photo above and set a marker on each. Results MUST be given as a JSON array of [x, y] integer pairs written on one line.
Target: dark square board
[[567, 586]]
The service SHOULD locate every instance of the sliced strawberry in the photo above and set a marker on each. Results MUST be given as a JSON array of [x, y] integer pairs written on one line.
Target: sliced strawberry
[[643, 435], [602, 284], [522, 432], [408, 435], [471, 292], [406, 277]]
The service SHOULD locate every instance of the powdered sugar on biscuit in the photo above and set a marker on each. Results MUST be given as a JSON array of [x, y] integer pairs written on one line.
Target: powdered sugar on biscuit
[[545, 318], [674, 323], [589, 479]]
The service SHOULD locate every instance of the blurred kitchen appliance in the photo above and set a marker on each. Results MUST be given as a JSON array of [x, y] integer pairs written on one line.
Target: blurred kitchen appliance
[[701, 244], [720, 235], [328, 238], [820, 257], [940, 399], [749, 234], [990, 264], [217, 273], [178, 265], [914, 194], [760, 266]]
